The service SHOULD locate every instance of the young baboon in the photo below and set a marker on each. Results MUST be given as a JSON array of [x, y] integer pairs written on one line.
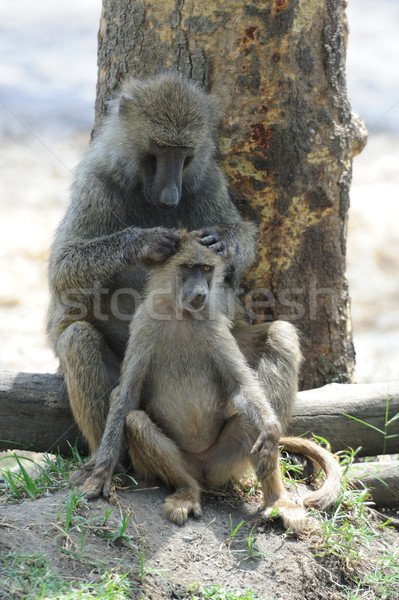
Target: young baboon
[[193, 410], [150, 168]]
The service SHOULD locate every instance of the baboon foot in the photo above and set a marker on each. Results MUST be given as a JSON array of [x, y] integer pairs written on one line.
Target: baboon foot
[[292, 515], [80, 475], [178, 506]]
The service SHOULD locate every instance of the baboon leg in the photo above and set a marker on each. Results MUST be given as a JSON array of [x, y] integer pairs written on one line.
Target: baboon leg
[[272, 349], [277, 503], [155, 456], [228, 456], [91, 370]]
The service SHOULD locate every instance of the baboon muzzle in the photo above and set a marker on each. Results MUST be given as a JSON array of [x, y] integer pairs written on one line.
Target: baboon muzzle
[[169, 176]]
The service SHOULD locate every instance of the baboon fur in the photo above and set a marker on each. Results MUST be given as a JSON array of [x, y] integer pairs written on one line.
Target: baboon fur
[[150, 168]]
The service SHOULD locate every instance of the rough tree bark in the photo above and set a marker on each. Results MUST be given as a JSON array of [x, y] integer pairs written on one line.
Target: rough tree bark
[[287, 139]]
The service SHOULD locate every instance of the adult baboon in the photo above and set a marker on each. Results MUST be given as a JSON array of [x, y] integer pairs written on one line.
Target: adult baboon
[[150, 168], [193, 410]]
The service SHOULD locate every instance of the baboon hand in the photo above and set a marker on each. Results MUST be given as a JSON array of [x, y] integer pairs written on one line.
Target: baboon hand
[[99, 481], [215, 240], [80, 475], [158, 244], [267, 447]]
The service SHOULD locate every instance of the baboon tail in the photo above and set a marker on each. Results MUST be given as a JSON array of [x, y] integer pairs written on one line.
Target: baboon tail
[[327, 495]]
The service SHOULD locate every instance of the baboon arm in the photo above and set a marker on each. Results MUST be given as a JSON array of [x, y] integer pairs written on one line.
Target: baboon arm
[[80, 266], [244, 389], [84, 263], [248, 399], [98, 477], [124, 398]]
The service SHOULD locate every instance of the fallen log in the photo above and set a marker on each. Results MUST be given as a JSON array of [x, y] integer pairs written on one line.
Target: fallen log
[[35, 415], [323, 411], [380, 478]]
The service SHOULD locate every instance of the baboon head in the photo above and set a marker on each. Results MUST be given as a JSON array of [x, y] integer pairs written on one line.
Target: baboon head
[[188, 279], [197, 270], [169, 123]]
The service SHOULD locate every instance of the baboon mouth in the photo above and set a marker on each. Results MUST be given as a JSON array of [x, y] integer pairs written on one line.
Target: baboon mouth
[[167, 207], [195, 306]]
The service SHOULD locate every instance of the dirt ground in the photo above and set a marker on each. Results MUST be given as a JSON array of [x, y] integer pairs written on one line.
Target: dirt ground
[[280, 567]]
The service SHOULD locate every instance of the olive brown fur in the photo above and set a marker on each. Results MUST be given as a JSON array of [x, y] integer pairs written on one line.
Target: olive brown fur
[[150, 169]]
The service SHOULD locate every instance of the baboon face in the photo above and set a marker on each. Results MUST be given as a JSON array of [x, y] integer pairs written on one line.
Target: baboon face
[[164, 169], [195, 282], [167, 124]]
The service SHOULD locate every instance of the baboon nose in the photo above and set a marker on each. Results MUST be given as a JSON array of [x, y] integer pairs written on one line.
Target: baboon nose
[[170, 197]]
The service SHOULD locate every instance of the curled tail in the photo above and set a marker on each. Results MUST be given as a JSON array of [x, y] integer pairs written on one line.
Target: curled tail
[[327, 495]]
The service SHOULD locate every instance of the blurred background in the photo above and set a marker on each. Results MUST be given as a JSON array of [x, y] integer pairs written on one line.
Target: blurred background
[[47, 91]]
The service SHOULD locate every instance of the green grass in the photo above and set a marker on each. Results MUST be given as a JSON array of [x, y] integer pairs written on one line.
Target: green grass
[[24, 577], [351, 533], [74, 524], [385, 435], [233, 530], [220, 593], [21, 483]]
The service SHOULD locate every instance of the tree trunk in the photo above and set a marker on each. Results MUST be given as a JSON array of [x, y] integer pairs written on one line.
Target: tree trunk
[[287, 140], [35, 415]]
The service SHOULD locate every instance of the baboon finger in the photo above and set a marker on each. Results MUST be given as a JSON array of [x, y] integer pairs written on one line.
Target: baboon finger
[[220, 247], [107, 481], [209, 239], [91, 488]]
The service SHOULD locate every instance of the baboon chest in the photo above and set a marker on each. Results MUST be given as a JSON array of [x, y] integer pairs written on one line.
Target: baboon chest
[[183, 395]]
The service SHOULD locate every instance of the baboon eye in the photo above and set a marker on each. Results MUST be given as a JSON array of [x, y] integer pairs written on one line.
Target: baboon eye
[[152, 161], [187, 161], [206, 268], [189, 266]]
